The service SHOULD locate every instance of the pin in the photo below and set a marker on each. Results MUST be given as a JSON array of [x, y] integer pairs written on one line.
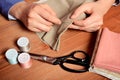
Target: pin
[[25, 60], [23, 44], [11, 55]]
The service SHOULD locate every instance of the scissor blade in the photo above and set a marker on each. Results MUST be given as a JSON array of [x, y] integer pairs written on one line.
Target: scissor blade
[[43, 58]]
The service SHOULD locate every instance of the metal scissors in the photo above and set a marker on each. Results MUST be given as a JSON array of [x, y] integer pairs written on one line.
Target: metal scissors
[[73, 59]]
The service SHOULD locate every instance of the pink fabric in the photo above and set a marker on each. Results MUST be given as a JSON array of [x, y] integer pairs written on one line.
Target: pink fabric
[[108, 54]]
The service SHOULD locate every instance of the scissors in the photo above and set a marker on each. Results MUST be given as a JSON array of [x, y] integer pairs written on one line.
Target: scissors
[[62, 61]]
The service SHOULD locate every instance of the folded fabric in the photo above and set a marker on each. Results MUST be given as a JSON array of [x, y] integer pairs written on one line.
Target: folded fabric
[[106, 73], [63, 9], [108, 53], [107, 58]]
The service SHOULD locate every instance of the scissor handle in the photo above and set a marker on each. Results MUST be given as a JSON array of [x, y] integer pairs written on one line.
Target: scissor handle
[[73, 70], [80, 52], [77, 61]]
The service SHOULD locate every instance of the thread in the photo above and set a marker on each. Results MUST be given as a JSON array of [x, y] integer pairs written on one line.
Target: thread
[[23, 44], [25, 60], [11, 56]]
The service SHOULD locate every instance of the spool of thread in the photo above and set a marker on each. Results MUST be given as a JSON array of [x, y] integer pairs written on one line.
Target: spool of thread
[[11, 55], [25, 60], [23, 44]]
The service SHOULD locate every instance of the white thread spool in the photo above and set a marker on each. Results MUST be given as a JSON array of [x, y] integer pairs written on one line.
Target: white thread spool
[[25, 60], [11, 55], [23, 44]]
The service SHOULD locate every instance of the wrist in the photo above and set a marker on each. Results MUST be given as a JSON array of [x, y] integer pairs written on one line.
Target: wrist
[[106, 4], [19, 9]]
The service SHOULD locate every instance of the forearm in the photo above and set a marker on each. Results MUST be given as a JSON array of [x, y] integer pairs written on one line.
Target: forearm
[[5, 5]]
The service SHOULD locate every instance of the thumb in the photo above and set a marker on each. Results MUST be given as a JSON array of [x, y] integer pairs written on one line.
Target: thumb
[[80, 10], [77, 12]]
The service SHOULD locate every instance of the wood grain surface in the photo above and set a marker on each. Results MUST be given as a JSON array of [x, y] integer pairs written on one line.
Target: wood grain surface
[[71, 40]]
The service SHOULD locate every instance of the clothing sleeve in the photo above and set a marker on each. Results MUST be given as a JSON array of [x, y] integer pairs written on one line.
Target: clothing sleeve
[[5, 5], [116, 2]]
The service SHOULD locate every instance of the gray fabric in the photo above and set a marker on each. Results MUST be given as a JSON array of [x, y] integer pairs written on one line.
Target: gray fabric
[[63, 9]]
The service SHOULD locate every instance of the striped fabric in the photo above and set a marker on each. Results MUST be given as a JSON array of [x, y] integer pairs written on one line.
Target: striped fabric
[[5, 5]]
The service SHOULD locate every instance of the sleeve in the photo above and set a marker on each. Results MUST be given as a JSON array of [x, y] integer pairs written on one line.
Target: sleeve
[[116, 2], [5, 5]]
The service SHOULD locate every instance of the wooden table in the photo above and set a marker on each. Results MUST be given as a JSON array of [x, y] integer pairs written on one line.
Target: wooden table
[[71, 40]]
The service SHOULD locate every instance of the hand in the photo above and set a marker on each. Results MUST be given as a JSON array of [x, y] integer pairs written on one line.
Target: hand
[[36, 17], [96, 10]]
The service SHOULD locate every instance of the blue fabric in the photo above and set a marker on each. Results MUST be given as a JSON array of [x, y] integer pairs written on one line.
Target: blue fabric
[[5, 5]]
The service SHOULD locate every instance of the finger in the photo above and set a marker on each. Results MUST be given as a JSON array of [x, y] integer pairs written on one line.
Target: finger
[[74, 27], [46, 15], [38, 25], [93, 20], [92, 27], [41, 20], [35, 30], [80, 10], [43, 27], [79, 23], [76, 13], [46, 7]]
